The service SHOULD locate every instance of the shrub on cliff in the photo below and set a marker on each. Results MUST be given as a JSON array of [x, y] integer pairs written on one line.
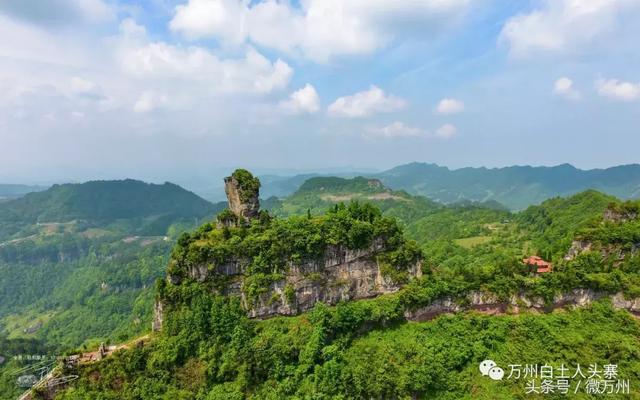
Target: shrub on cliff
[[248, 184]]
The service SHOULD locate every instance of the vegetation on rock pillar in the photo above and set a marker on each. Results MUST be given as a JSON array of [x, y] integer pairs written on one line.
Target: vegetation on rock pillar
[[248, 185]]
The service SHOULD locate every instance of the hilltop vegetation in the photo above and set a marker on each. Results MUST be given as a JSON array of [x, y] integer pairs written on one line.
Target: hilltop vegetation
[[209, 349], [552, 222], [271, 246]]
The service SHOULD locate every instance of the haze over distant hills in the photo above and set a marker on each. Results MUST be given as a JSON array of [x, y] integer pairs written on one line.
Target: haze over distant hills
[[10, 191], [515, 187]]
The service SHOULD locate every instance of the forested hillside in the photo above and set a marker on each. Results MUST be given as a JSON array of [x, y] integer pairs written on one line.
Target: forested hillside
[[152, 207], [209, 349], [78, 263]]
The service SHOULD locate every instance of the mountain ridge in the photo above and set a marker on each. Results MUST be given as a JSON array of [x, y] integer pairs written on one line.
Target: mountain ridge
[[104, 202], [517, 187]]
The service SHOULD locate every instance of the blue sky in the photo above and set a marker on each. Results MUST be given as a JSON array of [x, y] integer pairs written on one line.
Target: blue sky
[[173, 90]]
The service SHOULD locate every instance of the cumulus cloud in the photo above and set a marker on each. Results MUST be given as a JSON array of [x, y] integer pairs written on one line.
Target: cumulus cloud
[[220, 18], [619, 90], [395, 130], [564, 87], [449, 106], [366, 103], [446, 131], [319, 29], [253, 73], [76, 88], [563, 26], [302, 101]]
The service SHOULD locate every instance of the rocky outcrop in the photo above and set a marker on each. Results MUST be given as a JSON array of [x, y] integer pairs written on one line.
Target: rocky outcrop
[[577, 247], [620, 215], [490, 304], [341, 274], [616, 253], [243, 197]]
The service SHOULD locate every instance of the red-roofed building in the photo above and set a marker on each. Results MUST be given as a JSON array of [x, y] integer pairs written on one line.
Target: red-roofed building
[[541, 265]]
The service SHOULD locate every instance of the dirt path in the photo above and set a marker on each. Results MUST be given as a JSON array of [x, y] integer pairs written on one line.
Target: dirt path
[[18, 240]]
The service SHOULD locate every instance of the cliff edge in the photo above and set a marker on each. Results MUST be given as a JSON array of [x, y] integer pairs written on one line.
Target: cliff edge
[[285, 266]]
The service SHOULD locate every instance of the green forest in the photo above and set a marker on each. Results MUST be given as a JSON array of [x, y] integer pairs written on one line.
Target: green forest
[[209, 348]]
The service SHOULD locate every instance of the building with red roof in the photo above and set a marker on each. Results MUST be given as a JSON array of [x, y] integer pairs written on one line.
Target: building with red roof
[[541, 265]]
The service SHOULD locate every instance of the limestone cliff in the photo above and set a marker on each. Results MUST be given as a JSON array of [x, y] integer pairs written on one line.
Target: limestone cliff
[[489, 304], [609, 237], [340, 274], [286, 266]]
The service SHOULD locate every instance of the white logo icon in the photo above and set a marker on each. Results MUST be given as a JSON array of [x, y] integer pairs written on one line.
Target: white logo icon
[[491, 369], [496, 373]]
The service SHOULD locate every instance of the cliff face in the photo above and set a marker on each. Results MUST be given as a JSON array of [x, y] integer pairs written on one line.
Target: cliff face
[[490, 304], [341, 274]]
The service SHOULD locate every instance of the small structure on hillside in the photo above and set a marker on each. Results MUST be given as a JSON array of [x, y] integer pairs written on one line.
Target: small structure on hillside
[[541, 265]]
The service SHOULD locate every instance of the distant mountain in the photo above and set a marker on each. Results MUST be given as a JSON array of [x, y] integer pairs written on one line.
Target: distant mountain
[[11, 191], [336, 185], [318, 194], [104, 202], [516, 187], [281, 186]]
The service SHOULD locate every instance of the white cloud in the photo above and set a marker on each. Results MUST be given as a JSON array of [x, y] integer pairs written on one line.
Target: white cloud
[[564, 87], [253, 73], [319, 29], [219, 18], [149, 101], [446, 131], [449, 106], [395, 130], [619, 90], [304, 100], [105, 84], [363, 104], [563, 26]]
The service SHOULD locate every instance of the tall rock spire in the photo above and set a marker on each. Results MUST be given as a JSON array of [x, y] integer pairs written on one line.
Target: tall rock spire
[[243, 190]]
